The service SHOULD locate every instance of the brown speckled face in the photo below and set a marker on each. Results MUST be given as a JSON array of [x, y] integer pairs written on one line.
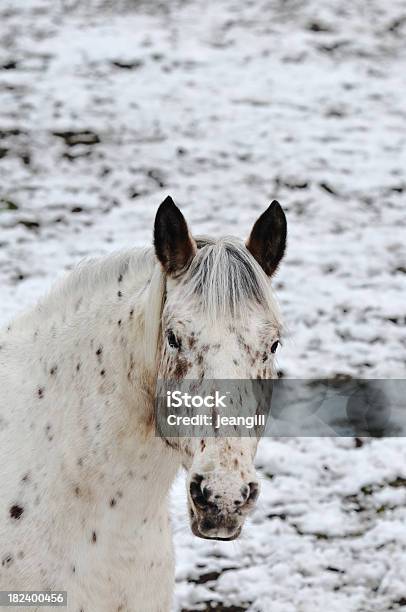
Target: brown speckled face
[[219, 322], [222, 483], [195, 348]]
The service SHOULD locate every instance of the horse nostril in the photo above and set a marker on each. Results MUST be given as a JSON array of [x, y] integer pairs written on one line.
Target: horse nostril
[[245, 492], [249, 493], [200, 497], [206, 492], [254, 490]]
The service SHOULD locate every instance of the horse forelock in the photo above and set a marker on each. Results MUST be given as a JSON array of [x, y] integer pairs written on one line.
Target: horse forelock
[[228, 281]]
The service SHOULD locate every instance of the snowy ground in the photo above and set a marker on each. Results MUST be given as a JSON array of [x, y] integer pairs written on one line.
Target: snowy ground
[[226, 105]]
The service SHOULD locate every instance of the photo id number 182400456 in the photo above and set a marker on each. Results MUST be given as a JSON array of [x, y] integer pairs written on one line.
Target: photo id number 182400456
[[33, 598]]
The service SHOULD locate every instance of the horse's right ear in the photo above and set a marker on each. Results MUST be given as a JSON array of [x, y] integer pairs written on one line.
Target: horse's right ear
[[174, 246]]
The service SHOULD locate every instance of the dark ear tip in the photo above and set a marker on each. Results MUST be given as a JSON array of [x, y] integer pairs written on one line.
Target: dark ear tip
[[167, 203], [275, 206], [276, 210]]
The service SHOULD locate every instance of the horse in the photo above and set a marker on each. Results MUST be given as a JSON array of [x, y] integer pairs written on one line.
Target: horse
[[84, 476]]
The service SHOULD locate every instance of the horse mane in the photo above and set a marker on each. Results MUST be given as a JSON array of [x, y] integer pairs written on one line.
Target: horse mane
[[142, 266], [90, 275], [99, 271]]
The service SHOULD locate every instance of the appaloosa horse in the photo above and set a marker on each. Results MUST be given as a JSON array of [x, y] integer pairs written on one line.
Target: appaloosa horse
[[84, 478]]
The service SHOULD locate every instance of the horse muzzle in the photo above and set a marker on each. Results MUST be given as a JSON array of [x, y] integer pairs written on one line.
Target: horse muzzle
[[219, 515], [209, 529]]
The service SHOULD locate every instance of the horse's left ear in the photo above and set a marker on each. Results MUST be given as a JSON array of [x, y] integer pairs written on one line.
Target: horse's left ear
[[267, 240], [174, 246]]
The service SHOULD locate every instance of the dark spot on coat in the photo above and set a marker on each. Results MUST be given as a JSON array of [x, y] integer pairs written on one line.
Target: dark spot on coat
[[16, 511], [94, 537], [77, 367], [7, 560], [119, 294], [191, 341], [131, 313], [120, 278], [77, 491], [40, 392], [102, 372], [26, 478], [53, 370], [181, 368], [113, 502], [99, 351], [119, 322], [172, 445]]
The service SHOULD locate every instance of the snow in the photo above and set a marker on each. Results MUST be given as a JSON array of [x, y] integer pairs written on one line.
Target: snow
[[227, 105]]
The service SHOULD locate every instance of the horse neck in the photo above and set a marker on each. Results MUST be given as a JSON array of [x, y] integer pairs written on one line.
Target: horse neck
[[90, 349]]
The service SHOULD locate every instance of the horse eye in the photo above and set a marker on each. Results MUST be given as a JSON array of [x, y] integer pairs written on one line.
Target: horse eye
[[173, 341], [274, 346]]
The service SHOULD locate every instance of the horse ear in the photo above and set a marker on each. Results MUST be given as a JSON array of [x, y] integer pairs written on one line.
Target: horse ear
[[267, 240], [174, 246]]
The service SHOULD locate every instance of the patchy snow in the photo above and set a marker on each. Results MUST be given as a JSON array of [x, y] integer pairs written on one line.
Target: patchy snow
[[226, 105]]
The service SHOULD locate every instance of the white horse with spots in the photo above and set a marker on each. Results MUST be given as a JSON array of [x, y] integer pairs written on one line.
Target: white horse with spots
[[84, 479]]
